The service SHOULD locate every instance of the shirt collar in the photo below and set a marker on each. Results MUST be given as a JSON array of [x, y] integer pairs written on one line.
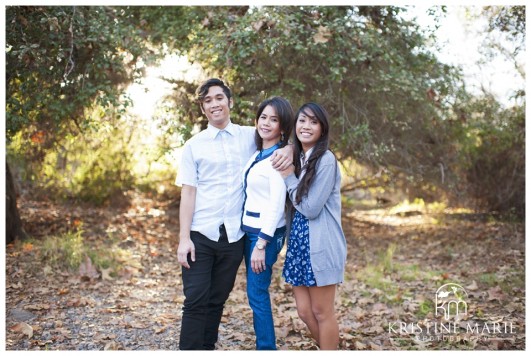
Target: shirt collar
[[266, 152], [304, 157], [214, 131]]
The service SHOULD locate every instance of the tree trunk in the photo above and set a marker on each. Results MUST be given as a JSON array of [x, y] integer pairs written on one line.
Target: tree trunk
[[14, 227]]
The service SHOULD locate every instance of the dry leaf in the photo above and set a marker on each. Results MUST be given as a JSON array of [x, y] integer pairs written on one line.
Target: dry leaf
[[106, 274], [511, 307], [160, 330], [27, 247], [16, 286], [23, 328], [47, 270], [87, 270], [375, 346], [496, 294], [360, 345], [323, 35], [151, 299], [258, 25], [38, 306], [111, 345], [472, 286]]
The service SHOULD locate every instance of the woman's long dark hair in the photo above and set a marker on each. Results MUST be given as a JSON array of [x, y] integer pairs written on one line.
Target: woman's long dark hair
[[285, 116], [314, 111]]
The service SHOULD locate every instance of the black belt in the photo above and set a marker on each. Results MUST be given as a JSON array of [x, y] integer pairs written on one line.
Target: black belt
[[222, 233]]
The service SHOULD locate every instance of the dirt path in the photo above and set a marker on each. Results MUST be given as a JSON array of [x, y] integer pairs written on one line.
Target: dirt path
[[395, 265]]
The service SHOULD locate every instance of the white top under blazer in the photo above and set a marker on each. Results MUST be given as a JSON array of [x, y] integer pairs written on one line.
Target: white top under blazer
[[264, 196]]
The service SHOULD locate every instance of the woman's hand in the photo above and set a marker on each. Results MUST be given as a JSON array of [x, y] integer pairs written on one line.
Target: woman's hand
[[286, 172], [258, 260]]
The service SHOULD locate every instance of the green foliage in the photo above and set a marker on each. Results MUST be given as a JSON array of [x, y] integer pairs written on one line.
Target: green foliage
[[418, 205], [489, 136], [427, 306], [373, 277], [178, 115], [92, 166], [510, 21], [370, 68], [66, 250], [393, 104], [489, 279], [386, 259], [113, 155], [69, 250], [492, 155], [62, 60]]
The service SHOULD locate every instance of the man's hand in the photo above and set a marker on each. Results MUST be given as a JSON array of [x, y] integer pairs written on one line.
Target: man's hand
[[282, 158], [186, 246]]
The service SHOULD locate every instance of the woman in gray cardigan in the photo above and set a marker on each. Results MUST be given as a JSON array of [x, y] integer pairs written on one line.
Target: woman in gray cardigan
[[317, 250]]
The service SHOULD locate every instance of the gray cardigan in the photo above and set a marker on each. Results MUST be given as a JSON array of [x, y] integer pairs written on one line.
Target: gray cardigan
[[322, 207]]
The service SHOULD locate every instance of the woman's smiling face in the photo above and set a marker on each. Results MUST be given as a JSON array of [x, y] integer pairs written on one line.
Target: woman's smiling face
[[268, 126], [308, 129]]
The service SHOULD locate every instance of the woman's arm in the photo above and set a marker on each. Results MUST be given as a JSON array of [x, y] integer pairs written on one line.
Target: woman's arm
[[274, 211], [322, 186]]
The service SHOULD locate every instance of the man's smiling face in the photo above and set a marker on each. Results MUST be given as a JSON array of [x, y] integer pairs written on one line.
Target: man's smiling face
[[216, 106]]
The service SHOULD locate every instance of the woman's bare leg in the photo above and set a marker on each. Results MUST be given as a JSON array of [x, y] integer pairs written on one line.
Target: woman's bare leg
[[322, 301], [304, 309]]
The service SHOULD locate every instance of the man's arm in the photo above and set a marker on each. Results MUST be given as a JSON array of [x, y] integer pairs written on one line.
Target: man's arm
[[282, 158], [186, 213]]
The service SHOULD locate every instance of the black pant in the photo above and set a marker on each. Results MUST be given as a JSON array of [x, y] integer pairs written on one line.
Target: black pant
[[207, 285]]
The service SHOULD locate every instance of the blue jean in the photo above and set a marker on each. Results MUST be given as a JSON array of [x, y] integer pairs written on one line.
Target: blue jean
[[258, 289]]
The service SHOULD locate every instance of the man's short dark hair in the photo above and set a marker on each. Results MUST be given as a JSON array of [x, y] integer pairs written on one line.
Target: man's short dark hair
[[202, 91]]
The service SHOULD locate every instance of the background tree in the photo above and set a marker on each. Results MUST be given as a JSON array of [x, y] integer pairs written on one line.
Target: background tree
[[371, 68], [396, 109], [60, 63], [493, 136]]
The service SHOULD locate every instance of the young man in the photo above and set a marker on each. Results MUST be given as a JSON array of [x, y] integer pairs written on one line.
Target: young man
[[211, 245]]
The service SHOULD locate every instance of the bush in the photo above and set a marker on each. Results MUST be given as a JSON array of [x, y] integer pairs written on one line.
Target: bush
[[68, 250], [495, 168], [111, 155]]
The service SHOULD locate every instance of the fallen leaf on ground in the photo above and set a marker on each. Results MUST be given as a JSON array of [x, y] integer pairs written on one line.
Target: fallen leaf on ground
[[23, 328]]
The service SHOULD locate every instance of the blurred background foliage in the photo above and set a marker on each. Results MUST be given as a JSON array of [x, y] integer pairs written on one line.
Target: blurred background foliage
[[404, 123]]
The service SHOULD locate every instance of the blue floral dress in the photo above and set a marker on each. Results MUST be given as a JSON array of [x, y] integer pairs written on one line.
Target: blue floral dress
[[297, 266]]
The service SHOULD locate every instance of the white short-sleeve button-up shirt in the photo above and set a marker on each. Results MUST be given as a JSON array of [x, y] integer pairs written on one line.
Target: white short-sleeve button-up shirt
[[212, 162]]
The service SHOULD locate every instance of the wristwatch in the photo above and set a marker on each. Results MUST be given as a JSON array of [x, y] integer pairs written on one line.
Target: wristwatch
[[260, 245]]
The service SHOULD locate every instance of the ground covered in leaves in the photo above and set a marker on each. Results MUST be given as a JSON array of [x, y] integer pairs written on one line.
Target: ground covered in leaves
[[125, 293]]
